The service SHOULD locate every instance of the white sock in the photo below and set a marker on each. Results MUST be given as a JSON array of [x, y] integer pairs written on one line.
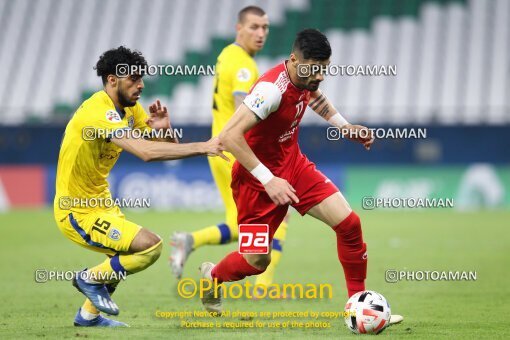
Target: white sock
[[86, 315]]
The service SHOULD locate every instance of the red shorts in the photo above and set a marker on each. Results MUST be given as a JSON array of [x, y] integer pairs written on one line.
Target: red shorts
[[254, 206]]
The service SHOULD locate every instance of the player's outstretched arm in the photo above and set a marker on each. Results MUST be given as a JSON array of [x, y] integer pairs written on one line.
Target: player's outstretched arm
[[156, 151], [232, 137], [238, 99], [324, 108]]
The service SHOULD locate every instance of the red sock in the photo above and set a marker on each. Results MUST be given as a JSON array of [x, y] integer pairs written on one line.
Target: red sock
[[352, 252], [233, 268]]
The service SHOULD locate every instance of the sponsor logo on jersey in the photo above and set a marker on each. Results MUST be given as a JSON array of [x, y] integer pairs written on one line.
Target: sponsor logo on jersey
[[113, 116], [243, 75], [287, 135]]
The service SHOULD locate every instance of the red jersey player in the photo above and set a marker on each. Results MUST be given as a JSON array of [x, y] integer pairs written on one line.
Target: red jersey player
[[271, 173]]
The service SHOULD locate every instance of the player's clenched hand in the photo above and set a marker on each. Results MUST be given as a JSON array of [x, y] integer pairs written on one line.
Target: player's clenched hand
[[281, 192], [158, 116], [213, 147], [359, 133]]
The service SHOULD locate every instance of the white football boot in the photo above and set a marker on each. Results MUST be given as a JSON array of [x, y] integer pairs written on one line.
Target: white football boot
[[211, 302]]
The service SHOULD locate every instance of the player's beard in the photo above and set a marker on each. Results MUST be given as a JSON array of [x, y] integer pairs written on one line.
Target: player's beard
[[313, 86], [123, 99]]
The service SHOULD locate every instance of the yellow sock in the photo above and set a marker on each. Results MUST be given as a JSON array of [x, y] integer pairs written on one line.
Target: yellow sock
[[129, 264], [217, 234], [207, 235], [266, 278], [102, 270], [89, 307]]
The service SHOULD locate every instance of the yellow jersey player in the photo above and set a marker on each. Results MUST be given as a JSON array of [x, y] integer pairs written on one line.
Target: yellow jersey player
[[236, 72], [100, 129]]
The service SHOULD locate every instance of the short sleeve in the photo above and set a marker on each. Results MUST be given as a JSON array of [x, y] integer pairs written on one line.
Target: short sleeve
[[243, 78], [263, 99]]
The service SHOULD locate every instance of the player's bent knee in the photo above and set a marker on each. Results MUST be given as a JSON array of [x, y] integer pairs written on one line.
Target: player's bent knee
[[154, 253], [259, 261], [153, 240], [146, 258], [350, 225], [144, 240]]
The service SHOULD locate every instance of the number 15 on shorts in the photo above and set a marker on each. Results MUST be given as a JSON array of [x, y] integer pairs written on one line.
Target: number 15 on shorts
[[253, 239]]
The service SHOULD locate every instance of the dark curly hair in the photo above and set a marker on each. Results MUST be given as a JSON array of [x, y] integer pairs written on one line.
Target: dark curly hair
[[109, 60], [312, 44]]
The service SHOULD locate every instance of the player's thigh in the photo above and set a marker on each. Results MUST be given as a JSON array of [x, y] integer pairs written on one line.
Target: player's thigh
[[318, 196], [256, 207], [332, 210], [67, 227], [105, 230], [222, 174]]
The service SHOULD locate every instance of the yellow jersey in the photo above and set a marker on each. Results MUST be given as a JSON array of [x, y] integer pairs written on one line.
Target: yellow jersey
[[86, 154], [235, 72]]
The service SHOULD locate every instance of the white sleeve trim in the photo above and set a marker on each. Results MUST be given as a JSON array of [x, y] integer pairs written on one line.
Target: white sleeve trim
[[263, 99]]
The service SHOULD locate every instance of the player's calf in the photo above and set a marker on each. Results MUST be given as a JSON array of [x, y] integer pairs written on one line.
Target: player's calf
[[141, 260], [145, 250], [352, 252], [235, 267], [259, 261]]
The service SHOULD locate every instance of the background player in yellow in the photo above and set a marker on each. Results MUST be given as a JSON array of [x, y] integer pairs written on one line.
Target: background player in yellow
[[236, 72], [93, 140]]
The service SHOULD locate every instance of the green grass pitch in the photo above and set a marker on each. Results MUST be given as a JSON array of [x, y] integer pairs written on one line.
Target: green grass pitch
[[412, 240]]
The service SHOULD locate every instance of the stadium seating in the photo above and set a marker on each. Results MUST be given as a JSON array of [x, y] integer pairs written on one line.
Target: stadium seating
[[432, 42]]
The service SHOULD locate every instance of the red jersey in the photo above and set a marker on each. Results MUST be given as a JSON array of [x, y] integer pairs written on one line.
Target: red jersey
[[280, 105]]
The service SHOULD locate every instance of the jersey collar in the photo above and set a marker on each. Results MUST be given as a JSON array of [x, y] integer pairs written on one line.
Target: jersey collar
[[236, 44], [107, 98]]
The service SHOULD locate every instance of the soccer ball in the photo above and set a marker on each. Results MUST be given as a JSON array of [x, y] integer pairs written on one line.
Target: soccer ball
[[367, 312]]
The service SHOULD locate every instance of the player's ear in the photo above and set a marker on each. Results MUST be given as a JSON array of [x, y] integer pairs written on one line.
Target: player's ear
[[293, 59], [238, 27], [112, 80]]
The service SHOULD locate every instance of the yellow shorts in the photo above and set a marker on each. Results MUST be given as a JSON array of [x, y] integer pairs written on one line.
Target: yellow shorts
[[104, 231], [222, 174]]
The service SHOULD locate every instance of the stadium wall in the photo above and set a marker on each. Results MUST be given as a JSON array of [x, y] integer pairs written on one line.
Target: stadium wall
[[442, 145]]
